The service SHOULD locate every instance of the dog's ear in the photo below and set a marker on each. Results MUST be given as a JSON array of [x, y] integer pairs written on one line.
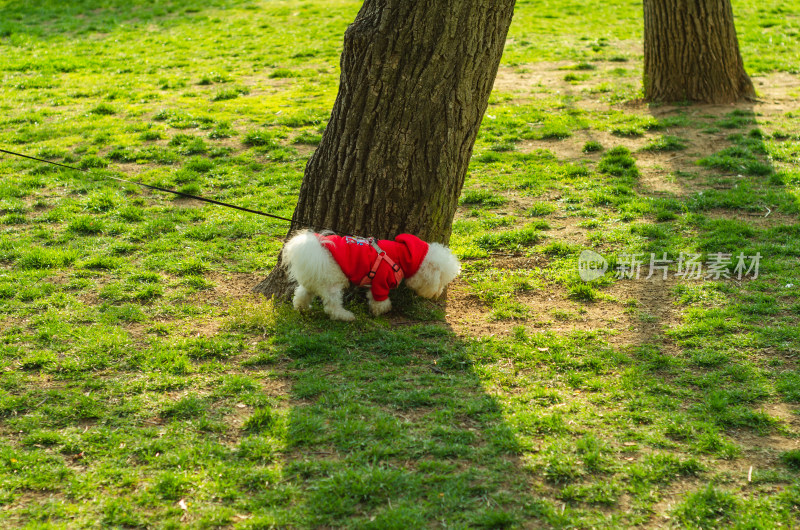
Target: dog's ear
[[446, 263]]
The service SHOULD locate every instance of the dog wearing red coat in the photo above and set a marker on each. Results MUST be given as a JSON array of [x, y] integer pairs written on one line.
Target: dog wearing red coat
[[325, 265]]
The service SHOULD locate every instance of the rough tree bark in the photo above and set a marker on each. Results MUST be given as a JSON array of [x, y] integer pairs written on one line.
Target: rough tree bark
[[691, 52], [415, 83]]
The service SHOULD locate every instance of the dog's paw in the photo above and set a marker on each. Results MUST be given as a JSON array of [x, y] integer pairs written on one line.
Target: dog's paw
[[301, 305], [343, 315], [379, 308]]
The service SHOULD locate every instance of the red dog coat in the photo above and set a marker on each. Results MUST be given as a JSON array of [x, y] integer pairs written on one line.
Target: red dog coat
[[356, 257]]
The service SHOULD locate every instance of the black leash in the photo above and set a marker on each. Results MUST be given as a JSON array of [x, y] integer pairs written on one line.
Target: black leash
[[148, 186]]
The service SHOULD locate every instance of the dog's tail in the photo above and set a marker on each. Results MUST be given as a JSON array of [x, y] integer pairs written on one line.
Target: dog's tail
[[305, 259]]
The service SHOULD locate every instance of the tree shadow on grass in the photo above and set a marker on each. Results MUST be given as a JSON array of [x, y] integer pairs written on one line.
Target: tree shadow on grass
[[48, 18], [725, 216], [388, 427], [318, 424], [715, 356]]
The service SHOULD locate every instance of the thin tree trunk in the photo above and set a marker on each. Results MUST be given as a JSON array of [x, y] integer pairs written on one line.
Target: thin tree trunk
[[415, 83], [691, 52]]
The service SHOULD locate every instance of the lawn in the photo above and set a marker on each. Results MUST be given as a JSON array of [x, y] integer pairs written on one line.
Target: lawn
[[144, 386]]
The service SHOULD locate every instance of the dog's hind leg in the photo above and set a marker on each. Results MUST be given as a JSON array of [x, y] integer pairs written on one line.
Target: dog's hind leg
[[302, 298], [332, 304]]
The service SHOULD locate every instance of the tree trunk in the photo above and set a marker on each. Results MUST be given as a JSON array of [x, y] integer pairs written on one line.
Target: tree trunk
[[415, 83], [691, 52]]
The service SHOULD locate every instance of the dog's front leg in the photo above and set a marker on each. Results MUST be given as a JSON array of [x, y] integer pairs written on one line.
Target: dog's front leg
[[378, 308]]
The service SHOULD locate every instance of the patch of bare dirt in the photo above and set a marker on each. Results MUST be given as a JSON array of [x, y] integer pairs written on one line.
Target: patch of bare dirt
[[776, 91], [635, 311], [130, 169], [305, 150], [519, 262], [229, 285], [762, 453], [764, 219], [669, 496], [524, 80], [653, 313], [468, 316], [567, 229]]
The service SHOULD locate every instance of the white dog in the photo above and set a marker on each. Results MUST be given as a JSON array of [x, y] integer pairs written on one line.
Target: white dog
[[325, 265]]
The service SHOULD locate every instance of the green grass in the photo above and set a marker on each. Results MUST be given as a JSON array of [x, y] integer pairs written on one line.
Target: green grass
[[592, 146], [666, 143], [135, 365]]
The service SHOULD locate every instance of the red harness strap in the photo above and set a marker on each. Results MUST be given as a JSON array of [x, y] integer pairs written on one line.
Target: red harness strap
[[382, 256]]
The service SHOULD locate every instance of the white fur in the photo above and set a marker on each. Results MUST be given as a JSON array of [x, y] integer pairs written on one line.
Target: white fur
[[317, 274]]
